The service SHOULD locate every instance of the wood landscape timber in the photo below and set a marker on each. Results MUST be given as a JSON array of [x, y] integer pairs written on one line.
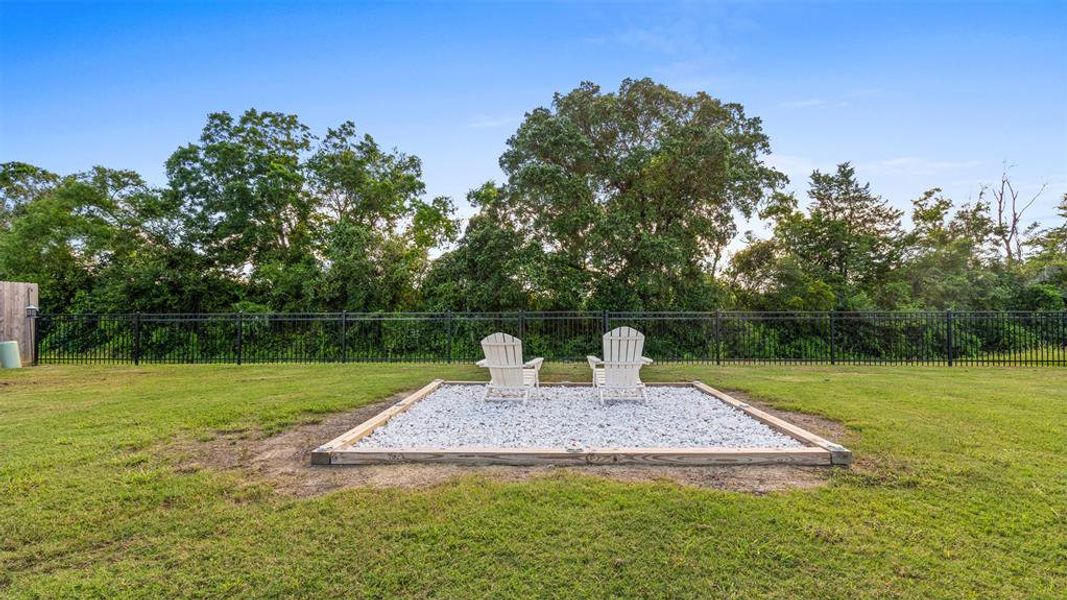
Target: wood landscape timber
[[592, 456], [840, 454], [321, 454]]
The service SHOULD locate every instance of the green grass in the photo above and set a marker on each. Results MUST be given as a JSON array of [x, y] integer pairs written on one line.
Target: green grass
[[960, 491]]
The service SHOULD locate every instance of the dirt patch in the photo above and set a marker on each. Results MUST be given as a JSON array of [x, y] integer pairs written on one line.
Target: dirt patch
[[284, 460]]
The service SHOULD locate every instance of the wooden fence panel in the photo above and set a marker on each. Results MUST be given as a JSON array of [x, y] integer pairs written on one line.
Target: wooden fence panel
[[14, 324]]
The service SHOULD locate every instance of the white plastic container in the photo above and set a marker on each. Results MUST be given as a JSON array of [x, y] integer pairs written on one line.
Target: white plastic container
[[9, 355]]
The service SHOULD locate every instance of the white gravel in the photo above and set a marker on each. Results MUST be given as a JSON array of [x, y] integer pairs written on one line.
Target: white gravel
[[456, 416]]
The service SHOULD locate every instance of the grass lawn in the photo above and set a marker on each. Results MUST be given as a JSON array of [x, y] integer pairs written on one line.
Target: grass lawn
[[960, 490]]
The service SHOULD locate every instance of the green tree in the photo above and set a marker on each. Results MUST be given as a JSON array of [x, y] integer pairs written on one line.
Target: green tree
[[84, 230], [1050, 243], [375, 229], [242, 190], [951, 259], [493, 268], [765, 277], [304, 225], [632, 193], [21, 184], [850, 238], [1047, 267]]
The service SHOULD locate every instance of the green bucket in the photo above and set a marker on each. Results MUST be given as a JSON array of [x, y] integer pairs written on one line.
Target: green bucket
[[9, 355]]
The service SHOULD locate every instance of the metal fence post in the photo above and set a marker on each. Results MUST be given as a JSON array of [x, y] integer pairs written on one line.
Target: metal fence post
[[344, 336], [718, 337], [522, 324], [1063, 339], [948, 336], [833, 337], [35, 345], [604, 321], [240, 336], [448, 319], [137, 338]]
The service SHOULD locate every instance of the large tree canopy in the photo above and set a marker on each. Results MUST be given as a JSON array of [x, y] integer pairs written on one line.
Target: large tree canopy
[[633, 193], [850, 239], [20, 184], [242, 188], [82, 235], [336, 224], [375, 229]]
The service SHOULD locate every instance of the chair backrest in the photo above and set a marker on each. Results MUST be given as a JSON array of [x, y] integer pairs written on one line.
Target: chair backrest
[[622, 357], [503, 356]]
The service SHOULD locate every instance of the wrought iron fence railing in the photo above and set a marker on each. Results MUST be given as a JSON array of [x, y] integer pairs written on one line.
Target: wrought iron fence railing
[[934, 338]]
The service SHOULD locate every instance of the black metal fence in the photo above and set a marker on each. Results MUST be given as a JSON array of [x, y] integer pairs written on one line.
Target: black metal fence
[[934, 338]]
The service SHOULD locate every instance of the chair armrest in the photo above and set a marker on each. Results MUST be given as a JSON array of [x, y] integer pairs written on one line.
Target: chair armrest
[[534, 363], [593, 361], [482, 363], [646, 360]]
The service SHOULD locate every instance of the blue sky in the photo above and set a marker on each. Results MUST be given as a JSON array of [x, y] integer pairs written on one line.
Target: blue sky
[[914, 94]]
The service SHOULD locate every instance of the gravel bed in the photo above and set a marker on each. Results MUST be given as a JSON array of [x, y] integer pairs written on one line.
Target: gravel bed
[[456, 416]]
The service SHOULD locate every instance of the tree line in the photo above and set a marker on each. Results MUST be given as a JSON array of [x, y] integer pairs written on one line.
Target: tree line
[[623, 200]]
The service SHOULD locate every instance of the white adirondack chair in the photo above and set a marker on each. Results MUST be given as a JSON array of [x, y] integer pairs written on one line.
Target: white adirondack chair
[[509, 377], [617, 376]]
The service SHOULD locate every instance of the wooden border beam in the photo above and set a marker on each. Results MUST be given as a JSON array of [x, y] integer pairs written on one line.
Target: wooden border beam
[[841, 455], [322, 454]]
